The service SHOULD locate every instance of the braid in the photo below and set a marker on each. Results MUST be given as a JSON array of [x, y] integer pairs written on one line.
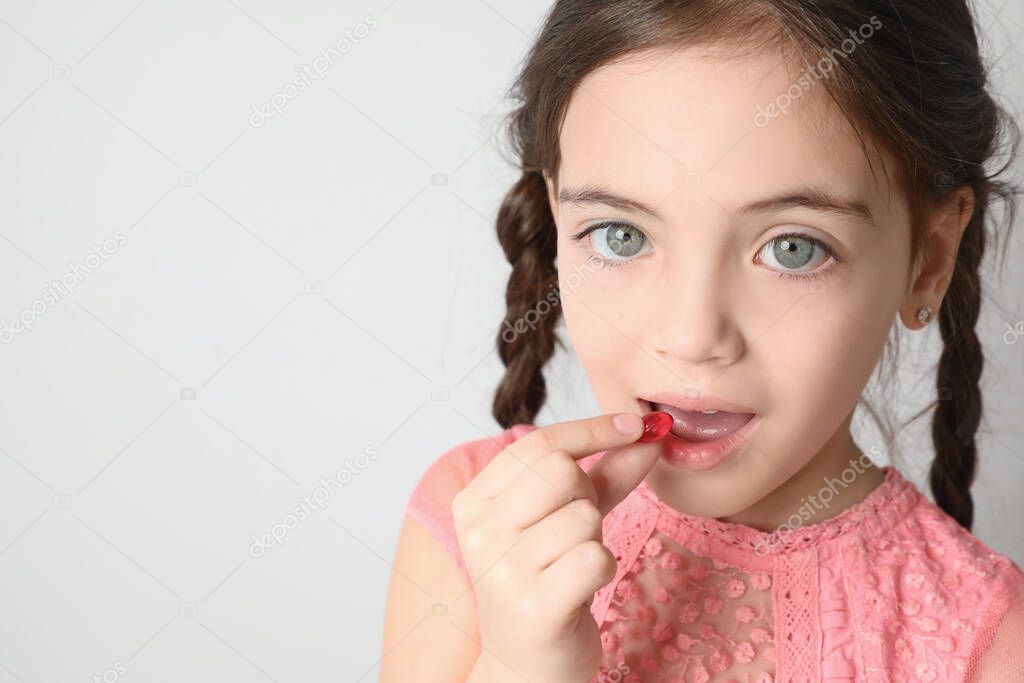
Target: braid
[[958, 411], [526, 341]]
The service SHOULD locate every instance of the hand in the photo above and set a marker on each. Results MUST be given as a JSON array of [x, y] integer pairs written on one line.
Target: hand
[[529, 525]]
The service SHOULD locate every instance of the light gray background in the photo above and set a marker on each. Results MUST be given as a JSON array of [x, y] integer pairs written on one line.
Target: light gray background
[[319, 292]]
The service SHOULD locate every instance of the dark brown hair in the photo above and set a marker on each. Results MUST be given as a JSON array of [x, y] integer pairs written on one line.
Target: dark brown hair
[[916, 89]]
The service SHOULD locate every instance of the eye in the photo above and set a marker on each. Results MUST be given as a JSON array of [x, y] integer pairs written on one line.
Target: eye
[[613, 241], [797, 255]]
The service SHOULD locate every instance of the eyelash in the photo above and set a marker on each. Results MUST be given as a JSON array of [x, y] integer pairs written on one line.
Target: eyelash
[[812, 275]]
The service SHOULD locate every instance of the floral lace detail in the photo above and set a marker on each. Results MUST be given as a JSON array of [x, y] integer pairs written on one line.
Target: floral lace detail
[[889, 590], [678, 617]]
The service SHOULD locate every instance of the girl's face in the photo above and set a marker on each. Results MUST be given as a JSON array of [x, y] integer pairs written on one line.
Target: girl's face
[[699, 300]]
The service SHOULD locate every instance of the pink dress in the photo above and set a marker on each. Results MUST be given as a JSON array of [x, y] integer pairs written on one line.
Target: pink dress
[[891, 589]]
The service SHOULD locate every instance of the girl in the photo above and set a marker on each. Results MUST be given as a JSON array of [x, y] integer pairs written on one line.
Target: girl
[[730, 203]]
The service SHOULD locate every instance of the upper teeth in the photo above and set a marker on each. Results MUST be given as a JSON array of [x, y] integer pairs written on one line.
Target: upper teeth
[[706, 412]]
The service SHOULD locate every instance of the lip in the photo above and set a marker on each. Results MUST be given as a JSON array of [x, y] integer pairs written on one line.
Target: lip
[[703, 402], [701, 455]]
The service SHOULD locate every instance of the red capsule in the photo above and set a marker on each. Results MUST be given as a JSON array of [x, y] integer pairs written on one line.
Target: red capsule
[[656, 425]]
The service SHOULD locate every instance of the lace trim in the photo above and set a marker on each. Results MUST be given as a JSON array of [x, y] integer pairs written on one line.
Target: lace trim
[[880, 510], [798, 629]]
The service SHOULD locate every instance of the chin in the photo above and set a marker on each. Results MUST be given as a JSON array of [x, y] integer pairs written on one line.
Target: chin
[[723, 491]]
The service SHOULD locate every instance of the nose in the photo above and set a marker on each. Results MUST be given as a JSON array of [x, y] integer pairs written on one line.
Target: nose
[[693, 317]]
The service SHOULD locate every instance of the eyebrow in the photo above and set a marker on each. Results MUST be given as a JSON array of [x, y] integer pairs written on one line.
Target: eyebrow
[[814, 198]]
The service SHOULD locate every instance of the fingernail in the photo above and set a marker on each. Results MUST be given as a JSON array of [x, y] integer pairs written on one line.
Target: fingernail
[[626, 422], [656, 425]]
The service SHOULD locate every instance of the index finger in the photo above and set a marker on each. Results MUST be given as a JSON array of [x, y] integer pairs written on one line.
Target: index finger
[[578, 438]]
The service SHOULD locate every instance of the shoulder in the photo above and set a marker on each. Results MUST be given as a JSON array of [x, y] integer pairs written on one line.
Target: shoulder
[[997, 654], [431, 497], [960, 561], [990, 597], [954, 589], [958, 554], [450, 471]]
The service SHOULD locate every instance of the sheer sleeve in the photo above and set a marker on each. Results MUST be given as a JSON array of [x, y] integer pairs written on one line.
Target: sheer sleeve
[[430, 501], [999, 652]]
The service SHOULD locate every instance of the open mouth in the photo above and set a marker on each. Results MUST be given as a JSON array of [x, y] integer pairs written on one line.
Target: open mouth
[[700, 425]]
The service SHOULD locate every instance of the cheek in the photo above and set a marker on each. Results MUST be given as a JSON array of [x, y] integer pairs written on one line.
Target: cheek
[[819, 359], [598, 296], [594, 311], [821, 355]]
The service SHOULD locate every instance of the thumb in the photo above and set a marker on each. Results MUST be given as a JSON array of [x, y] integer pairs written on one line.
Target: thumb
[[620, 470]]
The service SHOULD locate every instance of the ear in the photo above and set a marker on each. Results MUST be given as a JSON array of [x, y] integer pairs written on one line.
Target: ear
[[933, 269], [552, 195]]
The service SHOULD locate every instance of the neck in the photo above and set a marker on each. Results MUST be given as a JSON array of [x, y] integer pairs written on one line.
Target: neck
[[799, 495]]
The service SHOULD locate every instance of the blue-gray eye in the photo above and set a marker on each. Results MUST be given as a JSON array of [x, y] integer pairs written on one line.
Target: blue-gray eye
[[621, 241], [794, 252]]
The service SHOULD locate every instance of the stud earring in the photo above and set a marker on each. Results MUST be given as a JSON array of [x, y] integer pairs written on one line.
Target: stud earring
[[924, 315]]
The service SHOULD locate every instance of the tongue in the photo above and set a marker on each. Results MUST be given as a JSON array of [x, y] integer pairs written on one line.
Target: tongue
[[697, 426]]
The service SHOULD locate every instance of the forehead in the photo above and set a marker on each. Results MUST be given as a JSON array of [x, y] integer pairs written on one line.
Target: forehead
[[645, 123]]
